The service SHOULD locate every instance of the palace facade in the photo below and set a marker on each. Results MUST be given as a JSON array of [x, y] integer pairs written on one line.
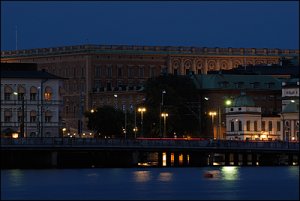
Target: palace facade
[[114, 74]]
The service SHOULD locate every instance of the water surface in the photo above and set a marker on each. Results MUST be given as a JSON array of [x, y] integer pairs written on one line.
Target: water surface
[[227, 183]]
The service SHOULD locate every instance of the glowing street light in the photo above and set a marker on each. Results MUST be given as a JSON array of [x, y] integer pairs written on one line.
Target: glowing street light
[[165, 115], [212, 114], [142, 110], [21, 96]]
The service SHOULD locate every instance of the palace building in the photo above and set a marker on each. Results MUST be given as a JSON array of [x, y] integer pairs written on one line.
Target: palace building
[[114, 75]]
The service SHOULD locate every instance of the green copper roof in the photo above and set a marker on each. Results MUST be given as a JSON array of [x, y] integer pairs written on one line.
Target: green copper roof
[[243, 101], [228, 81], [292, 107]]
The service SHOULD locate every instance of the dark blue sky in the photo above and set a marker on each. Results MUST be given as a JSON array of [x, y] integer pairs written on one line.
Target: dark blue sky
[[197, 23]]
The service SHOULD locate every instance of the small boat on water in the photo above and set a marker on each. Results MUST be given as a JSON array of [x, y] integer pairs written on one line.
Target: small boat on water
[[212, 174]]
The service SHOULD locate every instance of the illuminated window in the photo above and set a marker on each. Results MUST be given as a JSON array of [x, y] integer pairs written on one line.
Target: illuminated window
[[48, 94]]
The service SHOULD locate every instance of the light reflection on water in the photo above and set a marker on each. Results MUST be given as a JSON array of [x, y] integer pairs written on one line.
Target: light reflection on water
[[229, 182]]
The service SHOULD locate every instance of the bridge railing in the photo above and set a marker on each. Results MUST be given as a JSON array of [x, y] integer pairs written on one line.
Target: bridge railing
[[138, 143]]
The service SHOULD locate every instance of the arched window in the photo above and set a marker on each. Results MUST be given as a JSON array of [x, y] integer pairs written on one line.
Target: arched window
[[33, 93], [21, 93], [7, 115], [33, 115], [7, 92], [48, 93], [48, 116]]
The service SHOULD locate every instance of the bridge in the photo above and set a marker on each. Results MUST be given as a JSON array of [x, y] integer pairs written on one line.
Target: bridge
[[93, 152]]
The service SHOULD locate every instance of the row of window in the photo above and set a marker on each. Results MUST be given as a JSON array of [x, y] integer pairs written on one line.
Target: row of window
[[8, 116], [243, 84], [131, 72], [9, 93], [255, 125]]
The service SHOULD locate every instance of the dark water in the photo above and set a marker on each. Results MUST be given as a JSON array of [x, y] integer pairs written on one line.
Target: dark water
[[228, 183]]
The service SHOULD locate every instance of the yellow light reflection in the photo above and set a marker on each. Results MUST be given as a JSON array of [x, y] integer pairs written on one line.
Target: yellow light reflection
[[229, 173], [142, 176], [165, 176], [172, 159], [180, 159], [164, 159]]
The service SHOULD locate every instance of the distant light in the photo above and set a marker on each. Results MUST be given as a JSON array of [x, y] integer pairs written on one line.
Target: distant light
[[15, 135], [206, 98], [15, 93], [292, 101], [228, 102], [212, 113], [115, 95], [293, 138], [92, 110]]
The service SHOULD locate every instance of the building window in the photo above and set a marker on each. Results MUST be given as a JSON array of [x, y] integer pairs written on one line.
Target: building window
[[120, 72], [32, 119], [232, 126], [7, 96], [255, 125], [130, 72], [270, 126], [141, 74], [248, 125], [48, 116], [240, 125], [109, 71], [48, 94], [152, 72], [7, 92], [97, 71], [263, 126], [33, 96], [20, 96], [278, 126], [7, 119], [175, 72]]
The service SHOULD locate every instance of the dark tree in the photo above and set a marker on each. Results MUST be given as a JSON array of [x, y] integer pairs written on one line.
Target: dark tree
[[106, 121], [181, 94]]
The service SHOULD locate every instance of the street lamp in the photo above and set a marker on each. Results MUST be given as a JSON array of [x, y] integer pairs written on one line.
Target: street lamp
[[23, 113], [161, 108], [135, 129], [164, 115], [212, 114], [142, 110]]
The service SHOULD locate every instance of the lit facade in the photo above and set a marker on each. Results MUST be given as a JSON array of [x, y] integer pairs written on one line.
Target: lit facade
[[37, 96], [97, 72]]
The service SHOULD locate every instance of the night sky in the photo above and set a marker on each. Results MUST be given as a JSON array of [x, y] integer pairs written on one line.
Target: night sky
[[166, 23]]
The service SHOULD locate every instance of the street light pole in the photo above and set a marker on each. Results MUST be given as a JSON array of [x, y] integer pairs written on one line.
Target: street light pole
[[212, 114], [161, 109], [23, 116], [165, 115], [142, 110]]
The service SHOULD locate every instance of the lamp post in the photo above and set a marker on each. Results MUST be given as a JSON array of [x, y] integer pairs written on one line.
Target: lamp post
[[212, 114], [165, 115], [161, 109], [142, 110], [21, 96], [228, 103]]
